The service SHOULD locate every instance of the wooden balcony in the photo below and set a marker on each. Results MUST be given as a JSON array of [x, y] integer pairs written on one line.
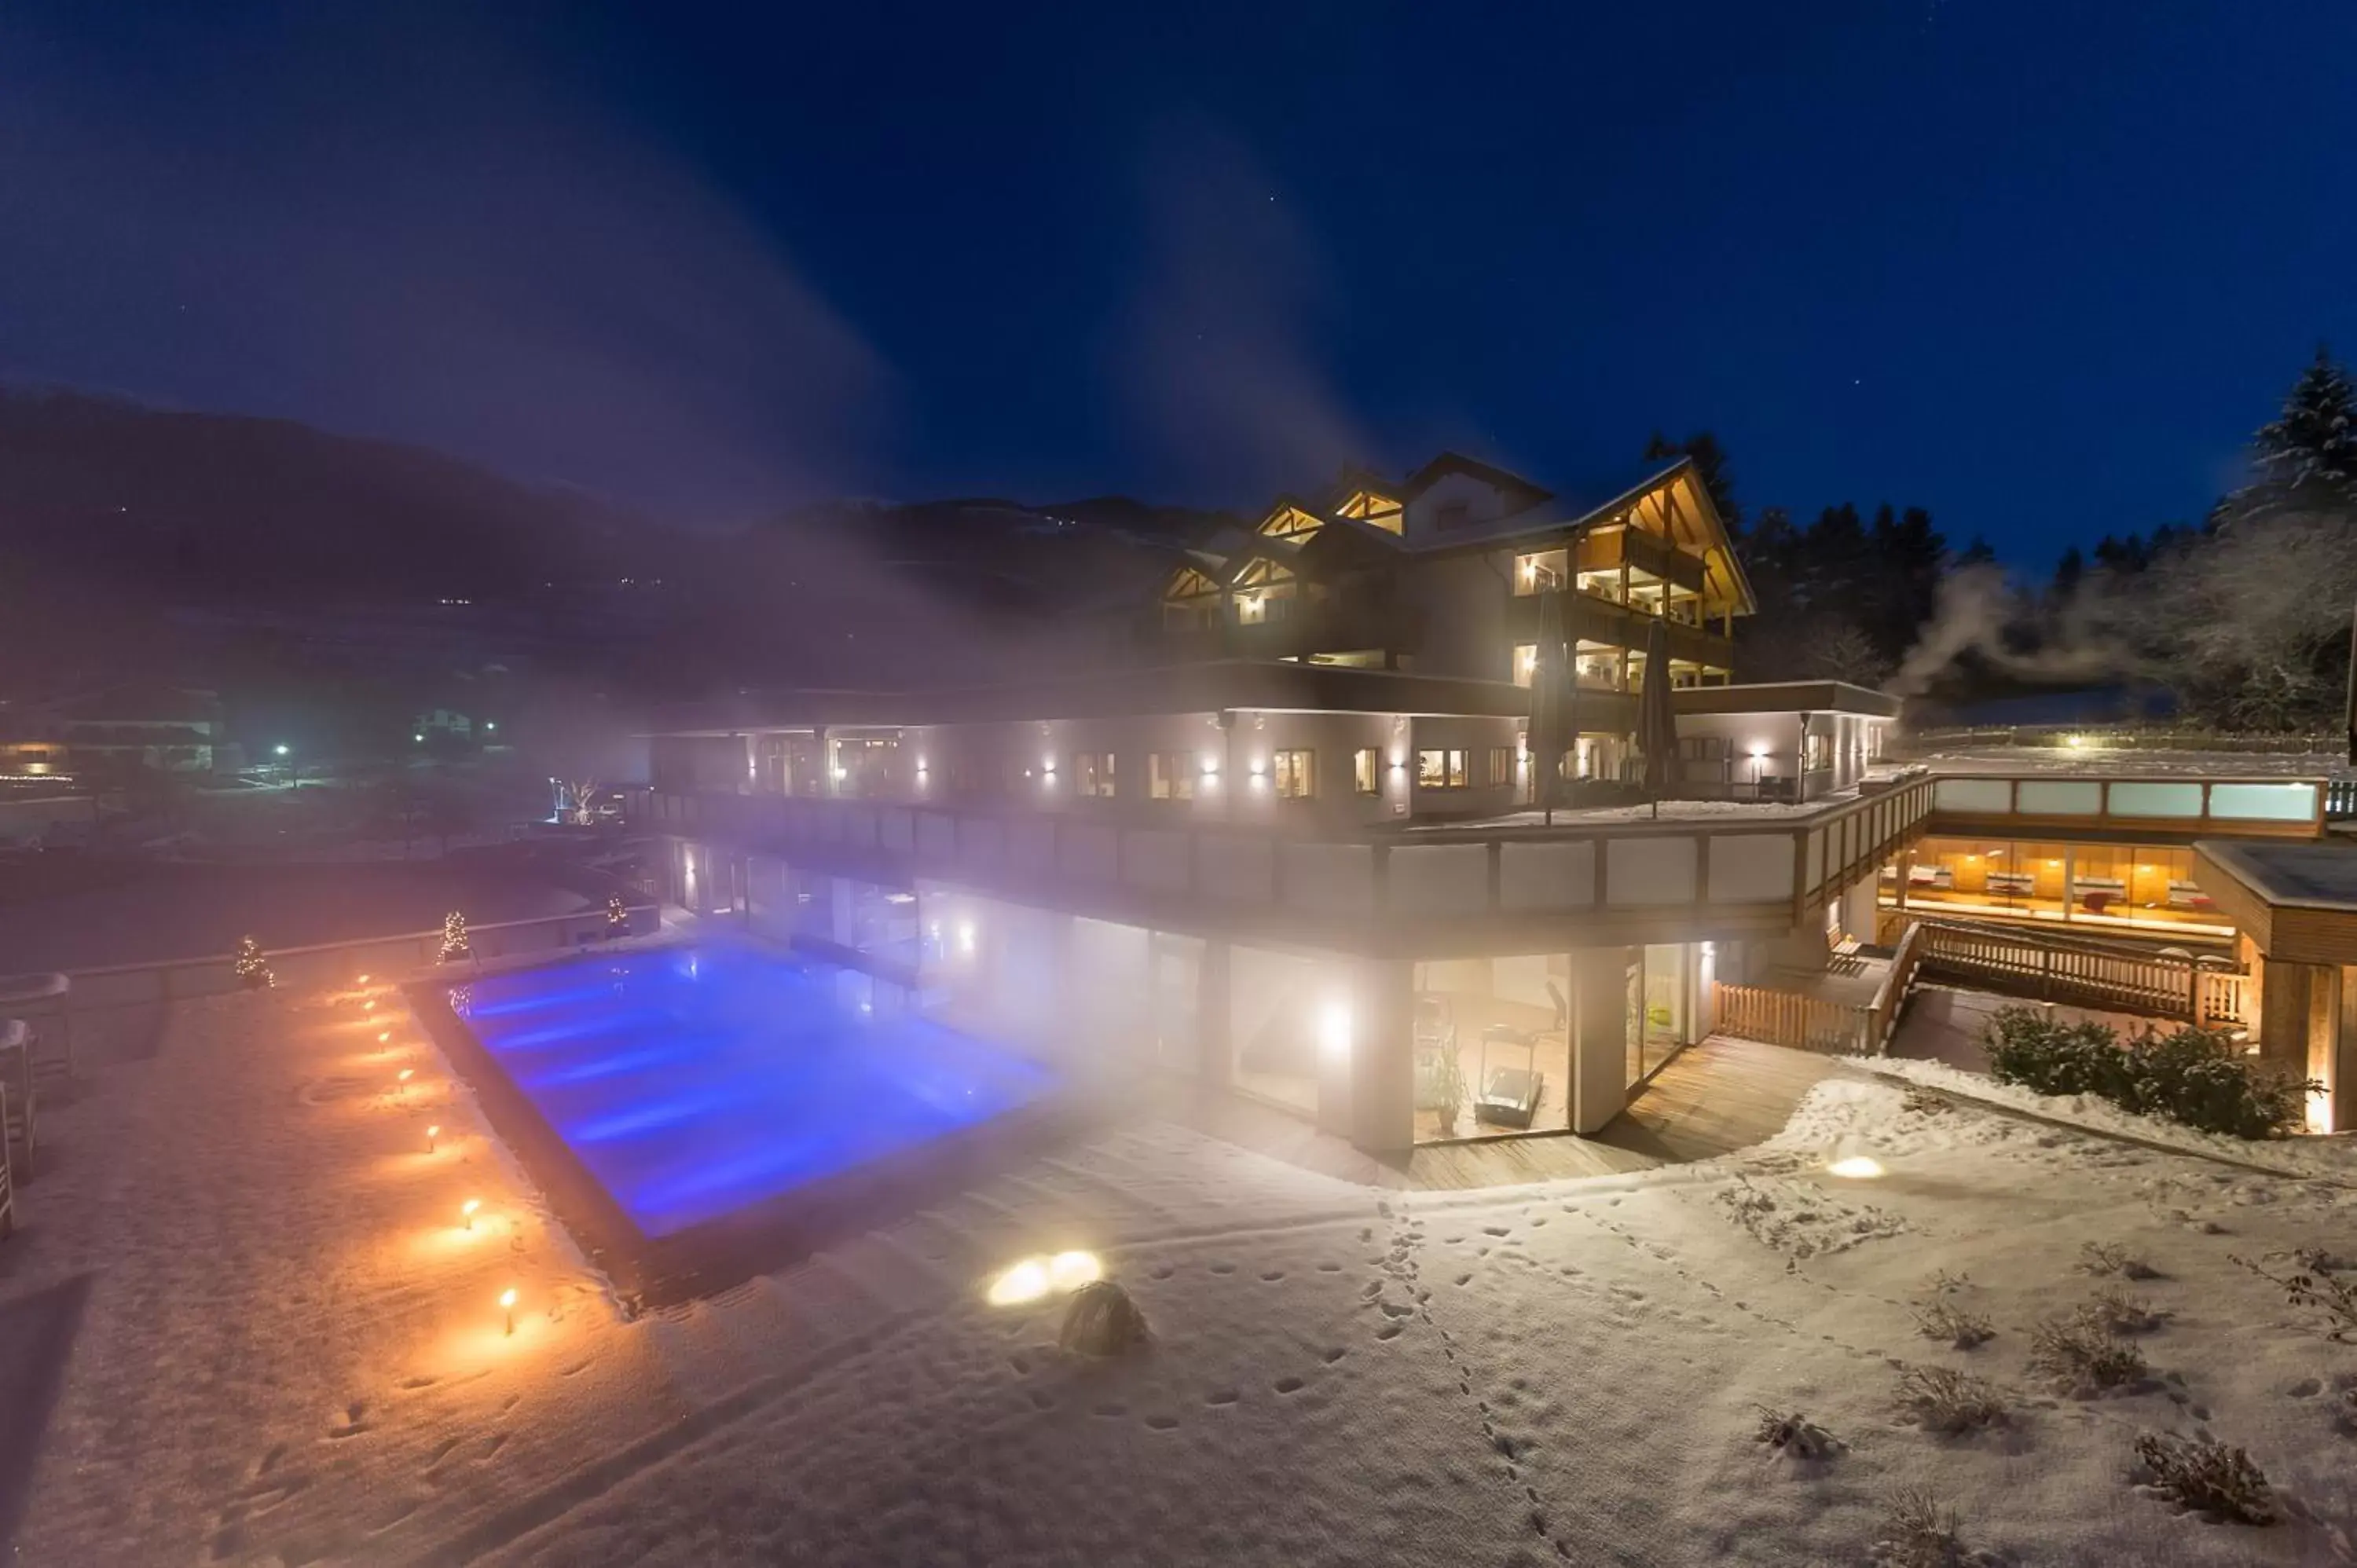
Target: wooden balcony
[[1611, 549], [1594, 618]]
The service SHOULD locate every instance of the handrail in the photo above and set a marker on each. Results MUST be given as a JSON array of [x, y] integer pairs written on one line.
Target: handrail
[[434, 933], [1890, 996], [2058, 969]]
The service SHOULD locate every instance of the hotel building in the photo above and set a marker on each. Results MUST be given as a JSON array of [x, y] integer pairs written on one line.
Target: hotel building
[[1288, 847]]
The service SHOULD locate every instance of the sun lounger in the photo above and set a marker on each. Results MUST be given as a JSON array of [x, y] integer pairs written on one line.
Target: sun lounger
[[16, 1085], [8, 1183], [40, 1001]]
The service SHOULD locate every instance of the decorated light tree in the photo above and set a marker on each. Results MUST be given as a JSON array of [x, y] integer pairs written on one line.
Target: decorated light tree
[[617, 917], [454, 937], [252, 968]]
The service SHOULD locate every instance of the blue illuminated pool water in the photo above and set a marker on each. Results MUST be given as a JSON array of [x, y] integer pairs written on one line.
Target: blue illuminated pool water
[[694, 1082]]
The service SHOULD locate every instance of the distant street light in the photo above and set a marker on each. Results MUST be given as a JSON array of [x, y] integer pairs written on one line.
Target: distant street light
[[419, 738], [490, 724], [280, 748], [294, 770]]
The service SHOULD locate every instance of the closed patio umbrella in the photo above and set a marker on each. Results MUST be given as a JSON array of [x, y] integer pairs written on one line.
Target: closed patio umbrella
[[1550, 681], [1657, 724]]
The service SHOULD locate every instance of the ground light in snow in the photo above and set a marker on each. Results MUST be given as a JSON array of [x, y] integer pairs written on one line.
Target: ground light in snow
[[1852, 1163], [433, 1137], [466, 1212], [507, 1306], [1034, 1279]]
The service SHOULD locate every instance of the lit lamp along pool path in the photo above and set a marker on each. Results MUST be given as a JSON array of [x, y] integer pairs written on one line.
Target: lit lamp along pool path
[[691, 1082]]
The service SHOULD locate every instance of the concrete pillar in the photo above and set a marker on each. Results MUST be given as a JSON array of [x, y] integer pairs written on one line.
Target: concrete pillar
[[1599, 1090], [1381, 1098], [1858, 909], [1215, 1014]]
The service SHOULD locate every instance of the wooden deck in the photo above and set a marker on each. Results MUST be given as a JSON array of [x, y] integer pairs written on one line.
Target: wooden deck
[[1714, 1097]]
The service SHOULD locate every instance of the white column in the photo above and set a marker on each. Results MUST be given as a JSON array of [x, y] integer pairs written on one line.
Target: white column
[[1600, 1053]]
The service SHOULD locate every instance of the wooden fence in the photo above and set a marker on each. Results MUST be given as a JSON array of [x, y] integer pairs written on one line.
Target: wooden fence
[[2056, 970], [1788, 1018]]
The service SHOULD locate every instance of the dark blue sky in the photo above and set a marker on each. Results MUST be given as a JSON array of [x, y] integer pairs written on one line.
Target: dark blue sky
[[2038, 267]]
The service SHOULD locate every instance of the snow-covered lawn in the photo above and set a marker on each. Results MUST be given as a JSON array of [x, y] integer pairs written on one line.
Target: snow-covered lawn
[[290, 1353]]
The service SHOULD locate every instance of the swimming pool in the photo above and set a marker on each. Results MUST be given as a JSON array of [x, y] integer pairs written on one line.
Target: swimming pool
[[694, 1082]]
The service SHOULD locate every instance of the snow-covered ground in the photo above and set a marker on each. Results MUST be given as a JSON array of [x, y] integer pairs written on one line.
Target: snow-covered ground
[[290, 1353]]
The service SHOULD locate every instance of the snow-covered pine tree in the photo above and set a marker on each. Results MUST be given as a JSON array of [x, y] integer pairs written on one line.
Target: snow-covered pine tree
[[2306, 455]]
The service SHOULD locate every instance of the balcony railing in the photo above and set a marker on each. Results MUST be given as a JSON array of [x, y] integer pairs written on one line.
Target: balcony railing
[[1763, 872], [2057, 804]]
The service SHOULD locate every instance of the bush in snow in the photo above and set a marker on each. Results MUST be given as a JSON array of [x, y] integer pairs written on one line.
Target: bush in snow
[[2121, 1313], [1920, 1532], [2109, 1257], [1959, 1325], [2080, 1349], [2197, 1077], [2030, 1047], [1950, 1401], [2334, 1299], [2212, 1476], [1794, 1434], [1101, 1321]]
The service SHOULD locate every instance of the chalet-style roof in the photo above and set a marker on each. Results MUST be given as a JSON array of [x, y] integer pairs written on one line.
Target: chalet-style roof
[[1449, 463], [1555, 515]]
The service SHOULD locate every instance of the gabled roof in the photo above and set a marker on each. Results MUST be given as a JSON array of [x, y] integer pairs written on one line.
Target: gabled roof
[[1449, 463]]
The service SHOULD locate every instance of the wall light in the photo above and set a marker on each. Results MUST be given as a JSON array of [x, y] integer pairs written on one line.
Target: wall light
[[1258, 768], [1210, 767], [1334, 1030], [1049, 768], [1759, 750], [965, 937]]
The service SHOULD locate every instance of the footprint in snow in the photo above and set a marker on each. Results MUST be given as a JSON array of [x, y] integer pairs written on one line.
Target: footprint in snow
[[1222, 1396], [1286, 1385], [1223, 1268]]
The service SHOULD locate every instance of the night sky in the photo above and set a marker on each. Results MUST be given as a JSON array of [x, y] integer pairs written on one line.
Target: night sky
[[2038, 267]]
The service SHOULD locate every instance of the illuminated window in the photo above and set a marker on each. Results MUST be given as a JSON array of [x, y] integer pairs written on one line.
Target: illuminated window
[[1527, 662], [1170, 775], [1296, 775], [1443, 769], [1094, 773], [1366, 772], [1818, 752], [1502, 765]]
